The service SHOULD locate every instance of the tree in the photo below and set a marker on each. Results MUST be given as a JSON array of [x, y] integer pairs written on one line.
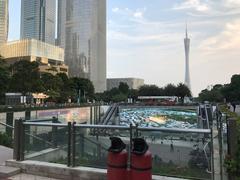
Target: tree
[[82, 86], [149, 90], [4, 79], [232, 91], [51, 82], [52, 85], [119, 97], [212, 95], [66, 91], [25, 77], [133, 93], [170, 90], [123, 88], [182, 91]]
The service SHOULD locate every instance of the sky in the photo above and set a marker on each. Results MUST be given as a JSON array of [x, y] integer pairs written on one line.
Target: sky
[[145, 40]]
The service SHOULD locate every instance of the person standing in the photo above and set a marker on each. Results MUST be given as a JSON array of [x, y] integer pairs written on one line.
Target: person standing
[[234, 106]]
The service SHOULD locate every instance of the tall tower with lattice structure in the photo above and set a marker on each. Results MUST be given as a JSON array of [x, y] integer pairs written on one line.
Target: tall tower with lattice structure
[[187, 49]]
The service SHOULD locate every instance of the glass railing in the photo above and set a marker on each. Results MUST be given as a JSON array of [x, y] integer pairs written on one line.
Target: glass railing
[[175, 152], [92, 143], [2, 125], [46, 142], [179, 154]]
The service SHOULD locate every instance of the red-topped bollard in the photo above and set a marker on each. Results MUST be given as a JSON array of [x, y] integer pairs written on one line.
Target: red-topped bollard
[[117, 160], [141, 161]]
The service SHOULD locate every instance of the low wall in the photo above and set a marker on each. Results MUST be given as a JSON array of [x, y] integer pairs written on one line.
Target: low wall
[[59, 171]]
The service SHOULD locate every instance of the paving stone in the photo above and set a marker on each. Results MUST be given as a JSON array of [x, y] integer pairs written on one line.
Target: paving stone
[[8, 171], [30, 177]]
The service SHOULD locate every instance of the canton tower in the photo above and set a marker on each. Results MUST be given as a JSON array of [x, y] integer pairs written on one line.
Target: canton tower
[[187, 48]]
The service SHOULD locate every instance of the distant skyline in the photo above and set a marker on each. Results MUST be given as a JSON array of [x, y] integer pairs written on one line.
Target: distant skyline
[[145, 40], [38, 20]]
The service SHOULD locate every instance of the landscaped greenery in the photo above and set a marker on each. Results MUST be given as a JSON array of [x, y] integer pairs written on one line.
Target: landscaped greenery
[[5, 140], [232, 164], [123, 92], [24, 77], [217, 93]]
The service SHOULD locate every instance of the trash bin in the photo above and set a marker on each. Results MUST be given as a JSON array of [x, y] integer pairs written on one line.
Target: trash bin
[[141, 161], [117, 160]]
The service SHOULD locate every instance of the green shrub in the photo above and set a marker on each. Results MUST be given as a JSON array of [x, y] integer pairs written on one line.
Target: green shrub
[[5, 140], [231, 164]]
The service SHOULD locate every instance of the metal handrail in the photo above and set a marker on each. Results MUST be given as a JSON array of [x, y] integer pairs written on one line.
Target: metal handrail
[[170, 130], [102, 126], [6, 125], [175, 130], [40, 120], [45, 124], [36, 137]]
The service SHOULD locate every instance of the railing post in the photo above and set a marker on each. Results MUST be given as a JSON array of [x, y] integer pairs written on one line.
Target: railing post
[[212, 156], [73, 144], [130, 145], [69, 144], [27, 115], [54, 132], [9, 121], [22, 139], [95, 115], [231, 141], [91, 116], [16, 145], [232, 136], [220, 135], [99, 113]]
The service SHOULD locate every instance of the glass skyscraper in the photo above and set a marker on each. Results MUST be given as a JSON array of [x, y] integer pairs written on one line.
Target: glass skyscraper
[[38, 20], [3, 21], [82, 34]]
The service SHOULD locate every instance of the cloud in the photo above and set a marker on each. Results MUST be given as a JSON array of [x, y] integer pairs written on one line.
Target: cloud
[[196, 5], [116, 9], [143, 38], [227, 40], [138, 14], [232, 3]]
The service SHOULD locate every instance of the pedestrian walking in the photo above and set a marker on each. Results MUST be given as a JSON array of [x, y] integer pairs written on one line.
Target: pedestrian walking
[[172, 148], [234, 106]]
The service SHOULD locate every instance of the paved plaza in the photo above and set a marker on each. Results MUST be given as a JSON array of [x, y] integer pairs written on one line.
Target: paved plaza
[[6, 154], [29, 177]]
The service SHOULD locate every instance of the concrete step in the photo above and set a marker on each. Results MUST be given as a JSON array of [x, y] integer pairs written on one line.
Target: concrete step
[[6, 171]]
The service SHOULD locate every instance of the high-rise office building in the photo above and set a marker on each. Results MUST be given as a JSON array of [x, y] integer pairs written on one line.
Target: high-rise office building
[[187, 49], [3, 21], [38, 19], [82, 34]]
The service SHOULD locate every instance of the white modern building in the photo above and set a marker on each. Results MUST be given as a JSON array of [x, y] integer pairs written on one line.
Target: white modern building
[[3, 21], [133, 83], [187, 49], [49, 57], [38, 20], [82, 34]]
